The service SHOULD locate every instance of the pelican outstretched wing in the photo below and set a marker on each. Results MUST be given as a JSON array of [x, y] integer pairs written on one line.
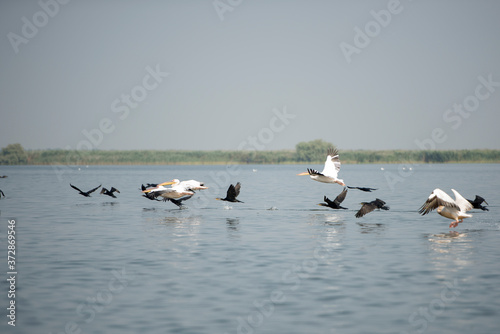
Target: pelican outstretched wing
[[462, 203], [437, 198], [332, 163]]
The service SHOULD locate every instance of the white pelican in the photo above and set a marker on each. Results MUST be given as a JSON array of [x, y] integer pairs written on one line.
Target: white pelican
[[168, 193], [330, 171], [446, 206], [188, 185], [178, 192]]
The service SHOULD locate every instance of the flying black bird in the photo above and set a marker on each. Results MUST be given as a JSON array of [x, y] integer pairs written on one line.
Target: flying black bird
[[362, 188], [232, 193], [109, 192], [85, 193], [1, 193], [368, 207], [3, 176], [335, 204], [476, 203]]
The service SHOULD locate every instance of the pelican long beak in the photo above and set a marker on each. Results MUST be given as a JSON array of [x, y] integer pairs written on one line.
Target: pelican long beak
[[166, 183], [305, 173], [161, 184]]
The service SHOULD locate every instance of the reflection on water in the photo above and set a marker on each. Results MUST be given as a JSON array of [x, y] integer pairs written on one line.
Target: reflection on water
[[371, 227], [232, 225], [169, 229], [253, 268], [110, 203], [450, 252]]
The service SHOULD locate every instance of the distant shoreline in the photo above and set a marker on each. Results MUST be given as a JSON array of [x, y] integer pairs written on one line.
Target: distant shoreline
[[219, 157]]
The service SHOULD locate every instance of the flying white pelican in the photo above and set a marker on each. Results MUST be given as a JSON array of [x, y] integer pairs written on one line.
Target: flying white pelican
[[168, 193], [188, 185], [177, 190], [446, 206], [330, 171]]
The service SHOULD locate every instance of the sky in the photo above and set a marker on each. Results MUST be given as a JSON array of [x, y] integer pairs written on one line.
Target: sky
[[251, 75]]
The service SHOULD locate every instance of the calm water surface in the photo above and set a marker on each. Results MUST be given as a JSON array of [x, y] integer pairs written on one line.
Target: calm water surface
[[277, 263]]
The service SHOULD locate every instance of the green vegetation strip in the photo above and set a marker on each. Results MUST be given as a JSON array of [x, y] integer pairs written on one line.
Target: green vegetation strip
[[305, 152]]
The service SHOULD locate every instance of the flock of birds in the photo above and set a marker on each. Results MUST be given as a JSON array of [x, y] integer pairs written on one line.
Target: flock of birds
[[454, 209], [180, 191]]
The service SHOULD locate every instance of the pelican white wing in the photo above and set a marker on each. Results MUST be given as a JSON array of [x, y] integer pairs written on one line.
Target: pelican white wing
[[454, 209], [462, 203], [436, 199], [330, 170], [332, 164]]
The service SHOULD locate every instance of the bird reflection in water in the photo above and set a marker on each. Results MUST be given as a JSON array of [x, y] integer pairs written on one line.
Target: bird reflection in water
[[371, 227], [450, 252], [232, 225]]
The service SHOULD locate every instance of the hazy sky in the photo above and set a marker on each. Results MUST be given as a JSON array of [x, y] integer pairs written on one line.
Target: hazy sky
[[246, 74]]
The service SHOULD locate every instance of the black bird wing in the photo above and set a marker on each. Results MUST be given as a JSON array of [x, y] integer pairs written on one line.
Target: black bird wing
[[233, 191], [92, 190], [330, 203], [104, 191], [365, 208], [367, 189], [1, 193], [480, 200], [341, 197], [380, 204], [179, 201], [76, 188], [313, 172], [150, 196]]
